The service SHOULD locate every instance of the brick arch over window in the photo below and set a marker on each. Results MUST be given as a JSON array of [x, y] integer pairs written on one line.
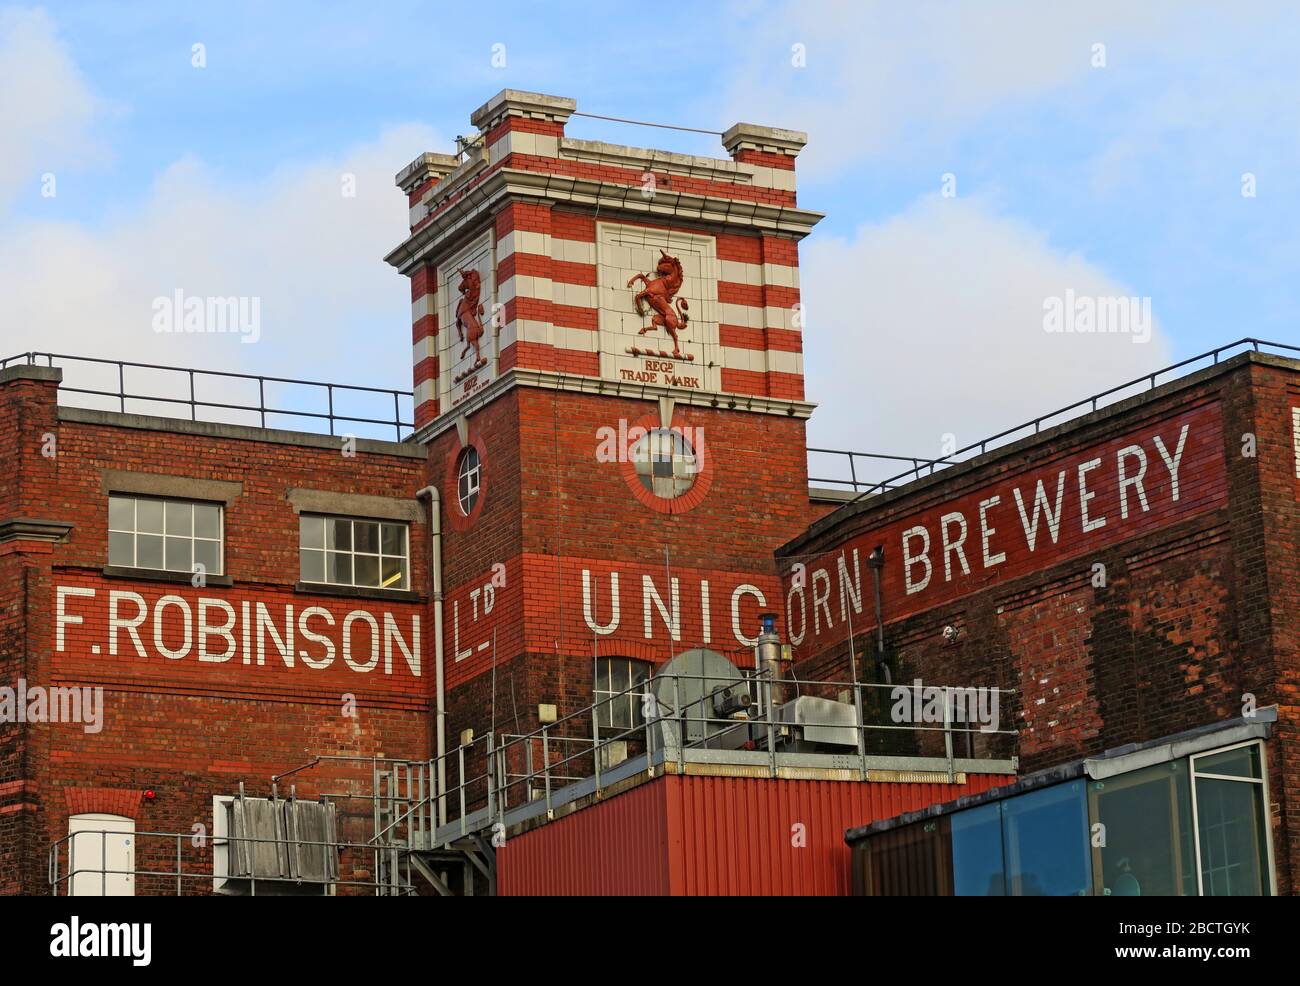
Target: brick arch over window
[[636, 650], [103, 801]]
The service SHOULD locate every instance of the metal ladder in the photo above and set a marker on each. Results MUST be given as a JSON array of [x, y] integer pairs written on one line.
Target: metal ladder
[[405, 837]]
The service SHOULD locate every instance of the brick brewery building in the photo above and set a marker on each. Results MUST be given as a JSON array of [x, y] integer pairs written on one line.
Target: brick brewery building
[[333, 663]]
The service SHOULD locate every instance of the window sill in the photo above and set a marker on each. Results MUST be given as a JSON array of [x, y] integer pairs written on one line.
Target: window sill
[[358, 592], [156, 575]]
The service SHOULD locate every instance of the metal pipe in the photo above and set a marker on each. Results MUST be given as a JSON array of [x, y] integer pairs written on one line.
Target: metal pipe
[[876, 562], [769, 661], [435, 573]]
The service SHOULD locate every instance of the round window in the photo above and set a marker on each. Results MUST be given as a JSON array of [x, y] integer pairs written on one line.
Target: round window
[[469, 473], [665, 462]]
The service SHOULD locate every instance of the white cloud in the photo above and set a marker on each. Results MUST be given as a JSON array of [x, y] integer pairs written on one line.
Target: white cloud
[[312, 257], [47, 111], [932, 324], [882, 77]]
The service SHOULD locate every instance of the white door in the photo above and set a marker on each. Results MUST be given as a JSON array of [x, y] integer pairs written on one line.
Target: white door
[[101, 856]]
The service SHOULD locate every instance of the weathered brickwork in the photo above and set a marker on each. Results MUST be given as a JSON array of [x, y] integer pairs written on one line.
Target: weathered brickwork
[[189, 716], [1173, 616]]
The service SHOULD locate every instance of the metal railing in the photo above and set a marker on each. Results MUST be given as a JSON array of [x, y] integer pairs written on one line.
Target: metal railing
[[180, 862], [496, 777], [924, 467], [181, 385], [440, 804]]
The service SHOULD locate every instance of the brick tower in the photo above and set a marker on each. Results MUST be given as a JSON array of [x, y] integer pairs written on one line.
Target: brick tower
[[608, 374]]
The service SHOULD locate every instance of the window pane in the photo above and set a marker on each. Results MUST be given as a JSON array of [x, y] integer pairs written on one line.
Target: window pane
[[208, 554], [366, 535], [312, 566], [180, 518], [1147, 816], [977, 852], [618, 673], [1045, 841], [912, 861], [149, 516], [207, 520], [393, 573], [121, 549], [338, 534], [367, 570], [1230, 822], [339, 567], [394, 542], [149, 551], [121, 513], [1241, 762], [311, 532], [180, 554]]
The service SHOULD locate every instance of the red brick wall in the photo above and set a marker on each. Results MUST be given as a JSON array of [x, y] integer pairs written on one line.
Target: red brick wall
[[184, 729], [547, 496], [1197, 611]]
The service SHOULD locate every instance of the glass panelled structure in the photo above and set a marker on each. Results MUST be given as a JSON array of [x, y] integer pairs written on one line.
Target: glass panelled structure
[[1187, 826]]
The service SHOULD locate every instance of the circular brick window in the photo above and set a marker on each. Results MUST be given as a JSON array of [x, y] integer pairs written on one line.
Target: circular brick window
[[469, 478], [665, 462]]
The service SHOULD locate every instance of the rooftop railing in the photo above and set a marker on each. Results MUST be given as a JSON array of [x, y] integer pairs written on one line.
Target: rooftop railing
[[206, 395], [850, 467], [272, 402]]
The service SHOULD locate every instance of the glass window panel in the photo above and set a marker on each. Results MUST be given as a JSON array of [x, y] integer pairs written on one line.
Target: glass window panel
[[180, 518], [1241, 762], [207, 520], [338, 534], [339, 567], [180, 554], [1230, 822], [912, 861], [149, 551], [311, 532], [367, 570], [121, 549], [312, 566], [977, 852], [121, 513], [149, 516], [208, 554], [394, 539], [1045, 842], [1149, 847], [393, 573], [365, 534]]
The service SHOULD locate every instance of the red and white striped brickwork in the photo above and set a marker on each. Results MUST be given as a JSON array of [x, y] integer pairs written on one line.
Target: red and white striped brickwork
[[563, 254]]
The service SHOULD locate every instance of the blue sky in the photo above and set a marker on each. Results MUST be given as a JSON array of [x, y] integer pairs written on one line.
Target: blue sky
[[1117, 179]]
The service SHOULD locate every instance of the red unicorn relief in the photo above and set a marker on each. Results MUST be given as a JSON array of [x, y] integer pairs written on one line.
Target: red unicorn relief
[[659, 293], [469, 324]]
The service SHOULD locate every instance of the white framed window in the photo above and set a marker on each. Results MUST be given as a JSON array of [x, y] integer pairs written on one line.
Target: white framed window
[[618, 698], [370, 554], [158, 534], [665, 462], [1230, 821], [469, 479]]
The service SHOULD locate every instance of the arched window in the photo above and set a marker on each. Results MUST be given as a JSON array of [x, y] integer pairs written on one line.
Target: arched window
[[469, 475]]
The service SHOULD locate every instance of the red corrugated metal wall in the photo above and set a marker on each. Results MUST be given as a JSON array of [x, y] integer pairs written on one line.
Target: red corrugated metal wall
[[619, 847], [712, 835]]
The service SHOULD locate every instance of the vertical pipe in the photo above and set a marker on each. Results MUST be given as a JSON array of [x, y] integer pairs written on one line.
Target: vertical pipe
[[440, 717]]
